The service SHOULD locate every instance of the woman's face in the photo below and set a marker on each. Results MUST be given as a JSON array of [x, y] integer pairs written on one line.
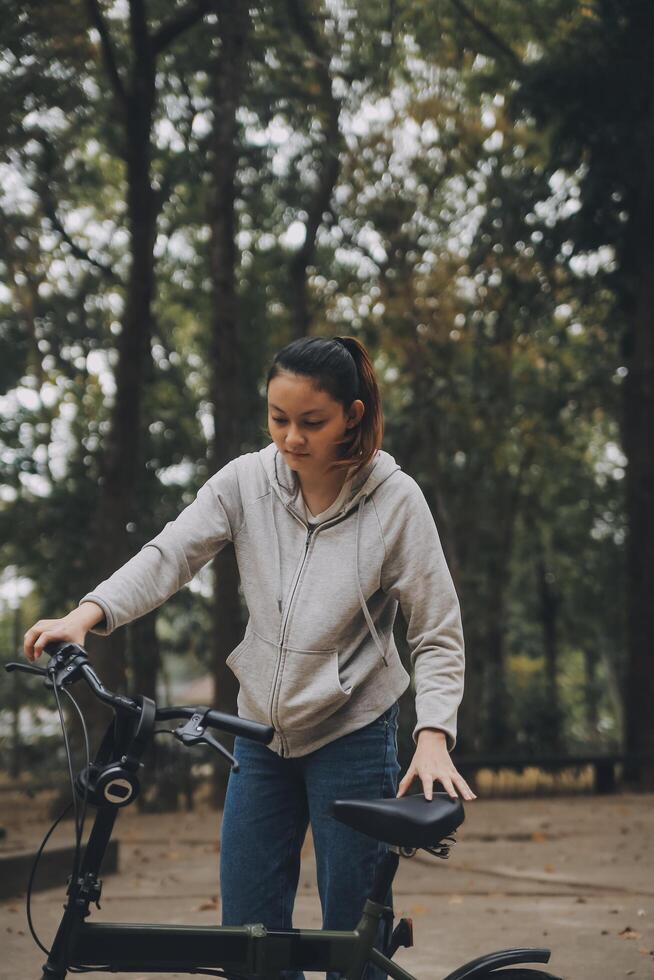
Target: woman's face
[[306, 423]]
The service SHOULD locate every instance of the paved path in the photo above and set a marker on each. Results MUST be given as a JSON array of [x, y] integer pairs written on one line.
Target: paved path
[[573, 874]]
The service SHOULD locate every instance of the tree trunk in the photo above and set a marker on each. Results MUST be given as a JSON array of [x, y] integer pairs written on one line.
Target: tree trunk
[[134, 101], [638, 429], [503, 505], [497, 725], [639, 426], [591, 691], [329, 165], [144, 655], [144, 662], [549, 610], [229, 79], [123, 457]]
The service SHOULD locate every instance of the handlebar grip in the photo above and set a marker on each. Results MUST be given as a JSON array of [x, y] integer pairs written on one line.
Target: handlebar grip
[[211, 718], [253, 730]]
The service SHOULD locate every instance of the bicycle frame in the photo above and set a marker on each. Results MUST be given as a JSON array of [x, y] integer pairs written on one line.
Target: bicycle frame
[[251, 950]]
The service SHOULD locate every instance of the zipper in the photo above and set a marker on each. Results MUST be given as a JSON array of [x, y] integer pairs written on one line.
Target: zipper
[[281, 658], [311, 530]]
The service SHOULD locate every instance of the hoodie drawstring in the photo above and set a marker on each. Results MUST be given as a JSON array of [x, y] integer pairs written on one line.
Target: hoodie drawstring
[[362, 600], [278, 552]]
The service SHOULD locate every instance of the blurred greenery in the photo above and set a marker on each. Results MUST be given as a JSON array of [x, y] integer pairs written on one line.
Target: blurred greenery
[[459, 190]]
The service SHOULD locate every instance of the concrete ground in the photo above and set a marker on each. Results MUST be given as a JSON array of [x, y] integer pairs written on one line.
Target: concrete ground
[[573, 874]]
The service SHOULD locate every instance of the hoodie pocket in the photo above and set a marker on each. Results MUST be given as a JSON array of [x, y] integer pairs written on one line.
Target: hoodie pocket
[[241, 647], [253, 664], [309, 688], [302, 687]]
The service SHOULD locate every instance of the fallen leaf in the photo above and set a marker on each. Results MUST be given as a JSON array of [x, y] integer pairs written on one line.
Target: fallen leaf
[[206, 906]]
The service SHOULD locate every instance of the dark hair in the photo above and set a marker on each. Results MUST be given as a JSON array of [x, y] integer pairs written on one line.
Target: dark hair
[[341, 366]]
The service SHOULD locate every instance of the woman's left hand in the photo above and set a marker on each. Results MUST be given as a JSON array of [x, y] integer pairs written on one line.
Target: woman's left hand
[[431, 761]]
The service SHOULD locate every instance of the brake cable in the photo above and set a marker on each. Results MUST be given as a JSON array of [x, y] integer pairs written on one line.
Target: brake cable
[[32, 876], [79, 818]]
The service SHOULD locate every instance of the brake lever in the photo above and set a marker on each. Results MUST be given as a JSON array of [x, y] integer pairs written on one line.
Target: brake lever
[[215, 744], [26, 668], [194, 733]]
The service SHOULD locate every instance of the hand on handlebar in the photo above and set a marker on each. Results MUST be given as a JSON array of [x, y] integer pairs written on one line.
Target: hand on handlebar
[[72, 628]]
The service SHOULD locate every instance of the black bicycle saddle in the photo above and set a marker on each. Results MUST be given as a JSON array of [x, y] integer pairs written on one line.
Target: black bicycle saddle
[[410, 821]]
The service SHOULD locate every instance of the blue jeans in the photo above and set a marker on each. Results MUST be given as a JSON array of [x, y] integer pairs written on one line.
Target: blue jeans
[[268, 807]]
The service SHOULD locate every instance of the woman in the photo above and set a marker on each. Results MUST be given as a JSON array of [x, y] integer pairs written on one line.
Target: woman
[[330, 536]]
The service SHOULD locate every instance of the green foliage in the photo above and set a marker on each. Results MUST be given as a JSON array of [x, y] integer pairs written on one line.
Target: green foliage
[[447, 248]]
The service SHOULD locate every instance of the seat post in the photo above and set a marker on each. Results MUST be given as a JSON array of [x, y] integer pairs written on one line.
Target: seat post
[[384, 875]]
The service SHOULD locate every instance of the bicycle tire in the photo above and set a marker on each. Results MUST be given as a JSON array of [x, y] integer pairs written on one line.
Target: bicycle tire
[[522, 973]]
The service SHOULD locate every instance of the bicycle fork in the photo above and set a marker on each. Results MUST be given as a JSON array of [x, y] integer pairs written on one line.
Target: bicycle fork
[[81, 893]]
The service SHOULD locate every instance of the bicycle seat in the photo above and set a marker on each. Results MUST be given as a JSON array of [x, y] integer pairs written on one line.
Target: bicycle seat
[[410, 821]]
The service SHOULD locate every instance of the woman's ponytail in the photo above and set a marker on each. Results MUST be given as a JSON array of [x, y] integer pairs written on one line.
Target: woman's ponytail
[[366, 437]]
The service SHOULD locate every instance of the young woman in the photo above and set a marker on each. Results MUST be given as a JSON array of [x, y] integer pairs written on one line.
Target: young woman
[[330, 536]]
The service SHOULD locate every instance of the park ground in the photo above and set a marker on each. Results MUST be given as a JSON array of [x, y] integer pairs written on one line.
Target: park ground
[[574, 874]]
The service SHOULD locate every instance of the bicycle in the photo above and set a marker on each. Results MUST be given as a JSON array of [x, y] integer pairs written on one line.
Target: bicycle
[[249, 951]]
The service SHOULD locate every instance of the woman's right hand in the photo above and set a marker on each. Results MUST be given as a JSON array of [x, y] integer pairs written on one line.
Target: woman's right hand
[[72, 628]]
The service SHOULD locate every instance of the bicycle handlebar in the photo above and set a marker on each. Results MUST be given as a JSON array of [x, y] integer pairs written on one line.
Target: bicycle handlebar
[[69, 662], [231, 724]]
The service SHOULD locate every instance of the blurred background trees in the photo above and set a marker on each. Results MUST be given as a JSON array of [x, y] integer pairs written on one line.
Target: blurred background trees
[[186, 187]]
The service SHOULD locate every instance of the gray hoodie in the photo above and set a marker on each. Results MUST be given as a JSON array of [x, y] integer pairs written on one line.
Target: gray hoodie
[[318, 659]]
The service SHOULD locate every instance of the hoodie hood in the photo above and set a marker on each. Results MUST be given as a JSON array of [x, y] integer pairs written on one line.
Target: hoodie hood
[[286, 489]]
